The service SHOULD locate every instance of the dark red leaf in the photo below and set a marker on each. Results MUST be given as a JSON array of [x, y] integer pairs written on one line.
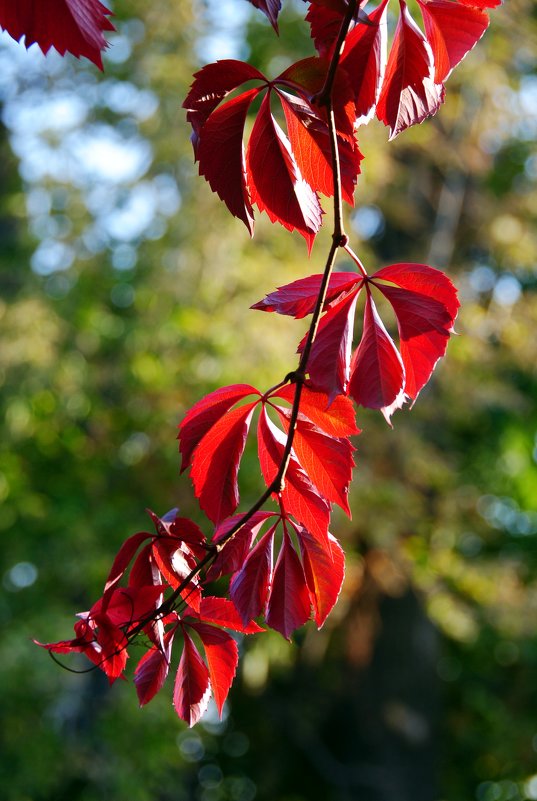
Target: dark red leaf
[[378, 375], [310, 143], [308, 77], [482, 3], [409, 93], [128, 605], [271, 9], [336, 419], [299, 496], [364, 61], [325, 24], [185, 531], [216, 463], [324, 568], [425, 303], [124, 557], [327, 461], [276, 185], [452, 31], [143, 571], [222, 612], [152, 669], [221, 156], [329, 362], [204, 414], [222, 655], [192, 689], [235, 550], [249, 586], [211, 85], [113, 644], [289, 605], [176, 562], [74, 26], [298, 298]]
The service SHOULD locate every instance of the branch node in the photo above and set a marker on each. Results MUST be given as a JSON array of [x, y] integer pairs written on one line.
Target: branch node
[[341, 240]]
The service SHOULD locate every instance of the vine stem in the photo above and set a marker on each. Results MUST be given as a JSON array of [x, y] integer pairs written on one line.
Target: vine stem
[[298, 377]]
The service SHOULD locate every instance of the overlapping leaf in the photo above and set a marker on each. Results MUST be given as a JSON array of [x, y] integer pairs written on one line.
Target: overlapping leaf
[[280, 173], [452, 31], [409, 93], [288, 605], [364, 61], [74, 26], [324, 569], [378, 376]]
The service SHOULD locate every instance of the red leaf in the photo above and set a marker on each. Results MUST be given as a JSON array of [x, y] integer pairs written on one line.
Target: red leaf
[[192, 690], [364, 61], [409, 93], [308, 77], [75, 26], [204, 414], [299, 496], [175, 562], [143, 572], [210, 86], [126, 606], [452, 31], [298, 298], [329, 362], [221, 155], [310, 143], [237, 548], [152, 669], [222, 655], [249, 586], [336, 419], [378, 375], [425, 303], [124, 557], [324, 568], [327, 461], [271, 9], [325, 24], [481, 3], [216, 463], [289, 605], [222, 612], [276, 185], [113, 644]]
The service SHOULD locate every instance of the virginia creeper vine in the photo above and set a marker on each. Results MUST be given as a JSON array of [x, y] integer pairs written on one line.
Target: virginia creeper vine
[[306, 461]]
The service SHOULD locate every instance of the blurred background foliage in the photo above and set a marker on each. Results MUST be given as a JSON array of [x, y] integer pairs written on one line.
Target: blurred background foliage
[[125, 295]]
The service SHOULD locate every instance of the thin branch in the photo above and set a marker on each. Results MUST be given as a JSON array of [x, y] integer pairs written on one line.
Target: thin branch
[[298, 377]]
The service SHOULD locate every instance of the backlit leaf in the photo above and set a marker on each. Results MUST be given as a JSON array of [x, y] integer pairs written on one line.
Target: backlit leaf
[[276, 185], [378, 375], [425, 303], [364, 61], [215, 464], [289, 605], [152, 669], [74, 26], [324, 567], [192, 689], [249, 586], [222, 655], [409, 93], [298, 298], [452, 31], [204, 414]]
